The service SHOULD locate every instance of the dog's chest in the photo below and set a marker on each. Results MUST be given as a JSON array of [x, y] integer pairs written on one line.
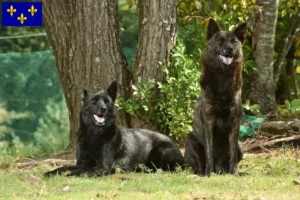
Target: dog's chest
[[100, 146], [97, 150], [221, 101]]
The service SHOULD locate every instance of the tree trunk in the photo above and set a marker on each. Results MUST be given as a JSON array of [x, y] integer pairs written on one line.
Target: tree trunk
[[157, 36], [263, 88], [84, 35]]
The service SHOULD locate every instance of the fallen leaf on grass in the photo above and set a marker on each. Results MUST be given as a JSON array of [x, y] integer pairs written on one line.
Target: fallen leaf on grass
[[296, 182], [66, 189], [33, 180]]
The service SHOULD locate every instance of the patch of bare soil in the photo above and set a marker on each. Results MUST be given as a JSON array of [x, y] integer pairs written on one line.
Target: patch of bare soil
[[58, 160], [274, 135]]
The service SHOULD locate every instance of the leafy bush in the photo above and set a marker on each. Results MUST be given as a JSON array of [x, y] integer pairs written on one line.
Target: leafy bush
[[290, 108], [254, 108], [173, 111]]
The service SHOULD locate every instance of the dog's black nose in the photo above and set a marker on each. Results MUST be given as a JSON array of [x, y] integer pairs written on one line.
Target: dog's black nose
[[102, 109], [229, 49]]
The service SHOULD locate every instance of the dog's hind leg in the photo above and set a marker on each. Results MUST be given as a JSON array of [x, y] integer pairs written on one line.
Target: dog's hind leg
[[166, 157], [194, 155], [171, 158]]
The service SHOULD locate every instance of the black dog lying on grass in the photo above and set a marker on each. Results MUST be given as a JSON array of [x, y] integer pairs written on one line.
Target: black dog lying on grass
[[103, 146]]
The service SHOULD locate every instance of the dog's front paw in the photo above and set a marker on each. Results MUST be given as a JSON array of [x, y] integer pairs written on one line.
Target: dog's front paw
[[233, 170], [208, 171], [50, 174], [76, 173]]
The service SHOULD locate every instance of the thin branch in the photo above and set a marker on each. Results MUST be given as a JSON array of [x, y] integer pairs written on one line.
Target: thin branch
[[22, 36], [288, 41]]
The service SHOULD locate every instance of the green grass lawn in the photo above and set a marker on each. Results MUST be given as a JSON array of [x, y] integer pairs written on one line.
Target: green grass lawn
[[269, 177]]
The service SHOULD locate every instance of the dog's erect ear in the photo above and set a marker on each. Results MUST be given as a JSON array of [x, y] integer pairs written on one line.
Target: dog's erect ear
[[240, 32], [112, 90], [212, 29], [86, 91]]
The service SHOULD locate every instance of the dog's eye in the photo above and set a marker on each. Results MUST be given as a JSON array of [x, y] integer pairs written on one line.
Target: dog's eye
[[106, 101], [94, 100], [233, 41]]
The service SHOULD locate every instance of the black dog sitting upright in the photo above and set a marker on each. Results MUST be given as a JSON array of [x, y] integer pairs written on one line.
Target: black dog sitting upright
[[103, 146], [213, 146]]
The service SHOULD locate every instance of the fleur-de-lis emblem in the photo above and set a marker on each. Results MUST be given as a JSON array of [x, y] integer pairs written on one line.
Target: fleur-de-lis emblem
[[22, 18], [11, 10], [32, 10]]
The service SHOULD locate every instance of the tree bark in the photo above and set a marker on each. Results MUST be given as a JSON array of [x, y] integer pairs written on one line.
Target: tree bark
[[84, 35], [157, 36], [263, 88]]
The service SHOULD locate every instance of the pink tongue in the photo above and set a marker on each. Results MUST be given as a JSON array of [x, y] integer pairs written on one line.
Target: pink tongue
[[227, 60], [99, 119]]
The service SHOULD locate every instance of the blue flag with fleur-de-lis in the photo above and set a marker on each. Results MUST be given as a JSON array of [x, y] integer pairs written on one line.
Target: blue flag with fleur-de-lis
[[22, 14]]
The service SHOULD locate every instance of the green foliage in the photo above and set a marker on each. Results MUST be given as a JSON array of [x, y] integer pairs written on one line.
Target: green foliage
[[290, 108], [128, 105], [290, 7], [293, 107], [129, 23], [173, 111], [143, 93], [193, 36], [142, 98], [254, 108]]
